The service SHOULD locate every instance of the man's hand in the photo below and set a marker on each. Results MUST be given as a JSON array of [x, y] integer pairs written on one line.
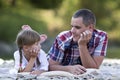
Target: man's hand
[[37, 72], [76, 69], [85, 37]]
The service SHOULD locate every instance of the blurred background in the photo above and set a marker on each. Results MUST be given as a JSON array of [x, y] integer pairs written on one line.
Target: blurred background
[[53, 16]]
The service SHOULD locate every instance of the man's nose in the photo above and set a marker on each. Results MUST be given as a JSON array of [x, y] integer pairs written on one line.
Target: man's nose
[[73, 29]]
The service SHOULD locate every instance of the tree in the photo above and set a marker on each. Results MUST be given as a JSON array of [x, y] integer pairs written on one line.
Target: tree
[[49, 4]]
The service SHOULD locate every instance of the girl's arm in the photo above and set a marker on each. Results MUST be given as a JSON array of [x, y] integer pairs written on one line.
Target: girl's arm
[[30, 64]]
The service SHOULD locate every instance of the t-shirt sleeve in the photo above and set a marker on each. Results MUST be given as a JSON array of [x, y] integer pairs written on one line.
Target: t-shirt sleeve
[[56, 52], [16, 60], [101, 48], [43, 61]]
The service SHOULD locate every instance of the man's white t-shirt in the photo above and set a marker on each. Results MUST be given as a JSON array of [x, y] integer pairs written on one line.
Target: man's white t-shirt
[[41, 56]]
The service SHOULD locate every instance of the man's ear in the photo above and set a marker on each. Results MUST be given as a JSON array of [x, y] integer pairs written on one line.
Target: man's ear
[[43, 37], [91, 27]]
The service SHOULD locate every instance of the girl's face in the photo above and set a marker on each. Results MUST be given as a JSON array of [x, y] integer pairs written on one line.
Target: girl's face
[[32, 49]]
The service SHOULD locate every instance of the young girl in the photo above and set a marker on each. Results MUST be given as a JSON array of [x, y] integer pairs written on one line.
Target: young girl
[[30, 57]]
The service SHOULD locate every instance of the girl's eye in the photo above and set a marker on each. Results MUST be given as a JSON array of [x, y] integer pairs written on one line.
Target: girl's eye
[[38, 43]]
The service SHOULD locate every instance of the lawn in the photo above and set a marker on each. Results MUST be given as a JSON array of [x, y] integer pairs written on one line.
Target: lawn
[[113, 52]]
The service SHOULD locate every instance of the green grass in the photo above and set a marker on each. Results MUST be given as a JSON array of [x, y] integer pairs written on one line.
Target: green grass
[[11, 22], [113, 52]]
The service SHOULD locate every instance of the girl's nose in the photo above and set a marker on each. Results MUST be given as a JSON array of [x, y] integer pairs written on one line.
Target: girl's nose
[[39, 46]]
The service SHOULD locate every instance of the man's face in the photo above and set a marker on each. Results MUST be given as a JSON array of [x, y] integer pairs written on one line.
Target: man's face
[[77, 27]]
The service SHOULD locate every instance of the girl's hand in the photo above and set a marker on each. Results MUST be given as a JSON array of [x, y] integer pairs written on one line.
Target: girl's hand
[[34, 51]]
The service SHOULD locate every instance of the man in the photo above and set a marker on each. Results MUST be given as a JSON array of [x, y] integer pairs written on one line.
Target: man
[[79, 48]]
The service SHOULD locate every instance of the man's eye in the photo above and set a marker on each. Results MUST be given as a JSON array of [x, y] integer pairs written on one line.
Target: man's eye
[[77, 27]]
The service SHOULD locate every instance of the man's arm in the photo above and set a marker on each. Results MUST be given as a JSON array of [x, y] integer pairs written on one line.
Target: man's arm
[[89, 61], [76, 69], [93, 61]]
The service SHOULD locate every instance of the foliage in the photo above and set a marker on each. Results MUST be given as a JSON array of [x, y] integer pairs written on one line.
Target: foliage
[[49, 4], [11, 22], [66, 11], [53, 16], [113, 52], [0, 3], [103, 10]]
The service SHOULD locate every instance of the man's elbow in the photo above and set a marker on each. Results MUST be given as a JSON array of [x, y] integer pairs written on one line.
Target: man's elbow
[[51, 68], [93, 66]]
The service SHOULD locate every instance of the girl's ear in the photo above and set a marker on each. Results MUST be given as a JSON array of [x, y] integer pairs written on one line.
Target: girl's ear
[[43, 37]]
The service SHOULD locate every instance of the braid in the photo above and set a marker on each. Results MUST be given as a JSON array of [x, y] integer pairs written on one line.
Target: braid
[[38, 62], [20, 65], [20, 51]]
